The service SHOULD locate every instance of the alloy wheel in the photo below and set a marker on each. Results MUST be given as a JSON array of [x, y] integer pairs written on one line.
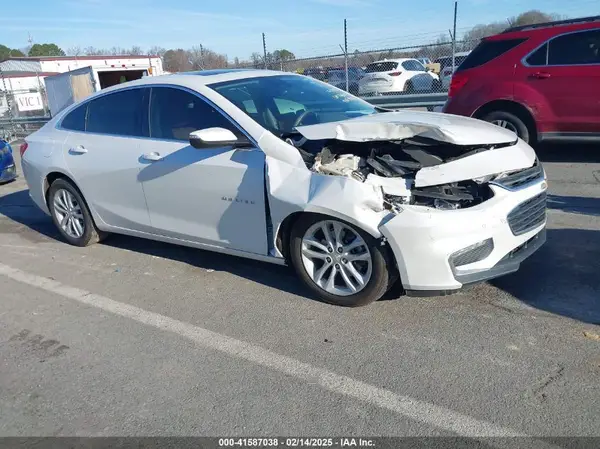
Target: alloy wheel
[[336, 258], [68, 213], [506, 124]]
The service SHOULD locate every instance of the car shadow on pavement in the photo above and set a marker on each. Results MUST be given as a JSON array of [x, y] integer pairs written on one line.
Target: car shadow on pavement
[[20, 208], [575, 204], [563, 277]]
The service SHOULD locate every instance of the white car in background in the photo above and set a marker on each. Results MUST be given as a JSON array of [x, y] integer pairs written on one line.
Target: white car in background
[[446, 71], [286, 169], [397, 75]]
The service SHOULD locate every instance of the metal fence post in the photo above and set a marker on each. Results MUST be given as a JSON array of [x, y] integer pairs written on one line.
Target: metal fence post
[[346, 54], [265, 50], [454, 39]]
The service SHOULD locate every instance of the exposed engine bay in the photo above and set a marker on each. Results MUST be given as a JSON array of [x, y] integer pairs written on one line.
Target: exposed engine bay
[[393, 165]]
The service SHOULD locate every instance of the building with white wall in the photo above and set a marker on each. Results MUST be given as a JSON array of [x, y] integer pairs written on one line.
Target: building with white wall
[[21, 75]]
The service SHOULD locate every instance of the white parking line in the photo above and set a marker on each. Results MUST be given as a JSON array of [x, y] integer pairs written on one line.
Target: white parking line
[[424, 412]]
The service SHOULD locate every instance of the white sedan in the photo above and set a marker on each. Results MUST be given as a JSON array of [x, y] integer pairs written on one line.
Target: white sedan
[[397, 75], [286, 169]]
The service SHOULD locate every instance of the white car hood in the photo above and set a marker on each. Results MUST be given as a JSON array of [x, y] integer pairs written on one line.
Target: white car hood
[[511, 154], [399, 125]]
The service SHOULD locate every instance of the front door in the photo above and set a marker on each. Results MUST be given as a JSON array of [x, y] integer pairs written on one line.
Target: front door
[[210, 196]]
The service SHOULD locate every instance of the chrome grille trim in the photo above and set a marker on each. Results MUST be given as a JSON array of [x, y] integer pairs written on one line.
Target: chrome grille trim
[[528, 215], [518, 179]]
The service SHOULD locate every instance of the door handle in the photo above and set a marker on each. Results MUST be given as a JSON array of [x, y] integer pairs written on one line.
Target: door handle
[[79, 149], [540, 75], [152, 157]]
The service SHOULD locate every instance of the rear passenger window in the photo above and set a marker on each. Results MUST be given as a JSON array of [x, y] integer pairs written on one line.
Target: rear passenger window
[[122, 113], [488, 50], [539, 57], [575, 48], [175, 113], [75, 120]]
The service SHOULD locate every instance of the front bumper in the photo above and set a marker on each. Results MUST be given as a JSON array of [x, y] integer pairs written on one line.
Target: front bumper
[[424, 241]]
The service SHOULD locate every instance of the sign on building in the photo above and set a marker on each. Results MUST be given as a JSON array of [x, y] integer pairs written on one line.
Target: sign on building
[[29, 102]]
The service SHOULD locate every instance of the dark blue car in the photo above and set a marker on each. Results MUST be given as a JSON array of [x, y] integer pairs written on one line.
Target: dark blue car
[[8, 170]]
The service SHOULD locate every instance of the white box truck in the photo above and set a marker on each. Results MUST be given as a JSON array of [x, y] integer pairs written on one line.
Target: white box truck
[[71, 86]]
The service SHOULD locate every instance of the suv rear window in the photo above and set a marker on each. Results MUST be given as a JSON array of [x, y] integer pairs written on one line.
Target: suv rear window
[[488, 50], [385, 66]]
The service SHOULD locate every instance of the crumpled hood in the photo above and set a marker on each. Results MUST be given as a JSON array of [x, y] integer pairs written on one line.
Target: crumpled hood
[[400, 125]]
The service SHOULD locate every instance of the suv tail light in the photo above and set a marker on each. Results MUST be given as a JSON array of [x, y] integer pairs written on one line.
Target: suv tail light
[[23, 148], [459, 80], [395, 73]]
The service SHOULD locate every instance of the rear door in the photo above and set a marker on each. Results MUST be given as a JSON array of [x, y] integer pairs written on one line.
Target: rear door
[[565, 73], [102, 153]]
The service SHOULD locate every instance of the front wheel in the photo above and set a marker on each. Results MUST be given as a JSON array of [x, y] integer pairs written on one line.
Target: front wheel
[[343, 265]]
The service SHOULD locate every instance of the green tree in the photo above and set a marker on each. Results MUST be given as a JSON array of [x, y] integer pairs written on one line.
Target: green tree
[[46, 50], [6, 52], [283, 55]]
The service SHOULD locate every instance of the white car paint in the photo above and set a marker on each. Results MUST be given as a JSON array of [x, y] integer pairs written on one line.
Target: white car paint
[[396, 79], [217, 199], [398, 125]]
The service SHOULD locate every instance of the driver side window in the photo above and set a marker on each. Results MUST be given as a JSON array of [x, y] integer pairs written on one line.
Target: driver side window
[[175, 113]]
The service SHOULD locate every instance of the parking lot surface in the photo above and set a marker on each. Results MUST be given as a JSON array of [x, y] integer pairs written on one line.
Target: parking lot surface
[[134, 337]]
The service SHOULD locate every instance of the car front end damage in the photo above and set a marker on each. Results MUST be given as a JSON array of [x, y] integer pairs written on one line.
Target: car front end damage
[[452, 211]]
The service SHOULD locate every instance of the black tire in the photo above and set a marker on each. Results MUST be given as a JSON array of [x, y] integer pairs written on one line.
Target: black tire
[[521, 128], [383, 273], [91, 234], [437, 85], [408, 87]]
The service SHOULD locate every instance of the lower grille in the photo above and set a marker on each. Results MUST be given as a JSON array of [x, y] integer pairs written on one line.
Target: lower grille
[[528, 215], [472, 254]]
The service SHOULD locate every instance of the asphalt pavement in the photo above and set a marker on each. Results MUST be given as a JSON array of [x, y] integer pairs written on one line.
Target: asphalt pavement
[[132, 337]]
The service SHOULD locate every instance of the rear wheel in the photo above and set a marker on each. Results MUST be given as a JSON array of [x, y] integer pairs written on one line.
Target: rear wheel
[[343, 265], [409, 87], [71, 214], [511, 122]]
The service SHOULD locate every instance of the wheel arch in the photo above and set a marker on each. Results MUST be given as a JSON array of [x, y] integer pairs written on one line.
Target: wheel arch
[[282, 236], [57, 174], [53, 176], [513, 107]]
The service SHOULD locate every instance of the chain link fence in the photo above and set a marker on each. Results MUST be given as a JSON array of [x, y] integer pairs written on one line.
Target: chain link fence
[[22, 111], [409, 70]]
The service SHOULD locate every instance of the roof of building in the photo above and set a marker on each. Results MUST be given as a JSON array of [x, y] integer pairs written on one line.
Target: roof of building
[[19, 74], [68, 58]]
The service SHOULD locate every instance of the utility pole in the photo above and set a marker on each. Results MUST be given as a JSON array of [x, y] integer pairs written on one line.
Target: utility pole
[[201, 57], [346, 53], [265, 50], [454, 38], [37, 75]]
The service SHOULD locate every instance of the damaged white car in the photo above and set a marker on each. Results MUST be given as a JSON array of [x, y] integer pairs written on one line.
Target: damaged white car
[[286, 169]]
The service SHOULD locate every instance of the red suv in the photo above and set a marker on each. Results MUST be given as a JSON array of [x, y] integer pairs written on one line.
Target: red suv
[[540, 81]]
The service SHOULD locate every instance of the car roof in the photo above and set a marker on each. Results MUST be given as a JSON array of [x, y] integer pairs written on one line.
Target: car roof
[[548, 29], [392, 60], [200, 78]]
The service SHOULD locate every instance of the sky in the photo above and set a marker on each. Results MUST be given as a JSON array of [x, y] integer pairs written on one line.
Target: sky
[[235, 27]]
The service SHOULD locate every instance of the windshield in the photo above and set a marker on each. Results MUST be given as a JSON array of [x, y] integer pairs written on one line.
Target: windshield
[[280, 103]]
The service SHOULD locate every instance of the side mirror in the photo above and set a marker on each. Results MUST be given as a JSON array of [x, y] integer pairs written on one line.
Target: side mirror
[[216, 138]]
